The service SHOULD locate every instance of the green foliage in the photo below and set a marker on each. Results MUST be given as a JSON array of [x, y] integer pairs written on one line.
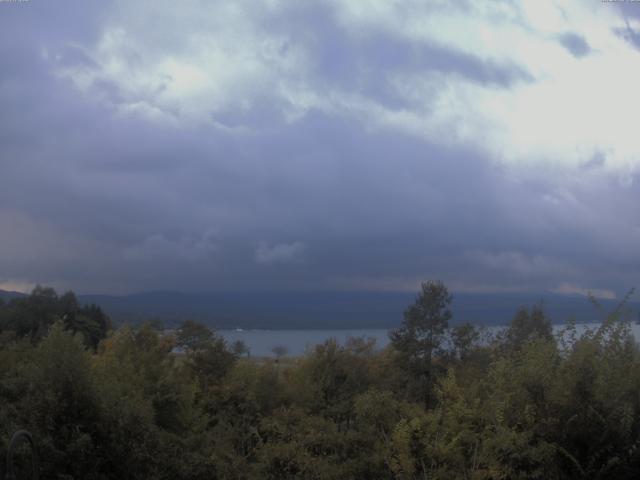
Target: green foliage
[[207, 355], [239, 348], [193, 336], [139, 404], [419, 338], [32, 317], [331, 376], [464, 340], [425, 323], [528, 326]]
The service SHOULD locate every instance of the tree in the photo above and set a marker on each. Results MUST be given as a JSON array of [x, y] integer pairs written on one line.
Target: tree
[[34, 315], [463, 339], [89, 320], [529, 326], [93, 323], [329, 377], [279, 351], [207, 353], [239, 348], [193, 335], [421, 333], [64, 409]]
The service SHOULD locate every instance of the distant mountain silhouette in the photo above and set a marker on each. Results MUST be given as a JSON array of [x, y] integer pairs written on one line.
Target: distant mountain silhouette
[[8, 295], [317, 310], [334, 309]]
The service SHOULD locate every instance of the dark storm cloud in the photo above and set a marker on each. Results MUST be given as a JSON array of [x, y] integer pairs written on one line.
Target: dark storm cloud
[[95, 199]]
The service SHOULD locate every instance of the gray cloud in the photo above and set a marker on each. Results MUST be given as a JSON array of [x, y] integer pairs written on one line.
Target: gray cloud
[[279, 253], [573, 42], [98, 197]]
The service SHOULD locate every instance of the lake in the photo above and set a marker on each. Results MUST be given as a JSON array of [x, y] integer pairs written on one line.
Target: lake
[[261, 342]]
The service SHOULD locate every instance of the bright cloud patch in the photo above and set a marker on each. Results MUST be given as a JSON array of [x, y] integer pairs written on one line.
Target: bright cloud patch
[[209, 62], [16, 286], [222, 63], [577, 106], [567, 288]]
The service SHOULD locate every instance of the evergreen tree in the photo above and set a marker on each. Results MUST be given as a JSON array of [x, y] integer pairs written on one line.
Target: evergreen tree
[[421, 333]]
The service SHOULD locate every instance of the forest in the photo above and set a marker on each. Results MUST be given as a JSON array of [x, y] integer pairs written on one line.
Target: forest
[[442, 401]]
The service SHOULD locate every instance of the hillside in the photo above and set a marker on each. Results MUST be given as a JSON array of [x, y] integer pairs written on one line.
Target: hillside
[[332, 310], [319, 310]]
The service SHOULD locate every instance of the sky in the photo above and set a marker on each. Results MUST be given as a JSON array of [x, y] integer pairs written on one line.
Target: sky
[[320, 146]]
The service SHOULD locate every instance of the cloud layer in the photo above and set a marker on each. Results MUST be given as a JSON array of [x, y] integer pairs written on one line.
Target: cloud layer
[[324, 145]]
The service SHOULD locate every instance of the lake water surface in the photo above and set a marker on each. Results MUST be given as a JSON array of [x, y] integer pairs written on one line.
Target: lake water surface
[[261, 342]]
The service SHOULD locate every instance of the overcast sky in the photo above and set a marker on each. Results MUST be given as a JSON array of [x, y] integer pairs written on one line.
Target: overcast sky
[[320, 145]]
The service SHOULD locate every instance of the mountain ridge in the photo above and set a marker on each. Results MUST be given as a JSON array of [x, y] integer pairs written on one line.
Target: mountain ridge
[[318, 310]]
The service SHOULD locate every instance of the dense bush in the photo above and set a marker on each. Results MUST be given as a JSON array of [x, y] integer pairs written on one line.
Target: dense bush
[[138, 403]]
